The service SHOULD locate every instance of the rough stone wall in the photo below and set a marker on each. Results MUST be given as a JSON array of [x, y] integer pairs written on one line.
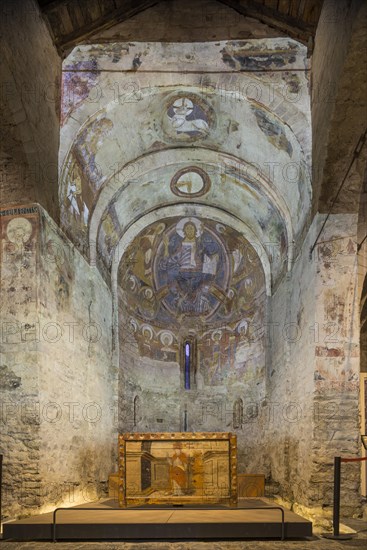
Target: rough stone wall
[[57, 381], [290, 377], [336, 398], [76, 375], [19, 367], [152, 399], [332, 43], [318, 371], [362, 273], [29, 105]]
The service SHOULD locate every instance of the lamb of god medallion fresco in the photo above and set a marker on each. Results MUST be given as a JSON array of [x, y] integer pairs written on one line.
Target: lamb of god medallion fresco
[[191, 269], [187, 117]]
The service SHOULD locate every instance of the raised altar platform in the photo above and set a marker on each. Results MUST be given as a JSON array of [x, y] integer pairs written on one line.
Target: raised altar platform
[[171, 486], [110, 522]]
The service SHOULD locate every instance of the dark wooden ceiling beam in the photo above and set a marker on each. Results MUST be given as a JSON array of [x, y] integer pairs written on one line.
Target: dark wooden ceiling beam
[[50, 5], [125, 10], [74, 21], [292, 26]]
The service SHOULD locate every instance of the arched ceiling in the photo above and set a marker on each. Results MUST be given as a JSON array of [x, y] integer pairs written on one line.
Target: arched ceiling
[[223, 126]]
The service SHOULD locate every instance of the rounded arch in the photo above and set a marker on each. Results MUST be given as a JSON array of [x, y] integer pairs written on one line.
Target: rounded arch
[[247, 176], [194, 210]]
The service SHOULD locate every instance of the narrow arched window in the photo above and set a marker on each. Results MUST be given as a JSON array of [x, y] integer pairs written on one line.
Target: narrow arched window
[[188, 362], [238, 414], [136, 409]]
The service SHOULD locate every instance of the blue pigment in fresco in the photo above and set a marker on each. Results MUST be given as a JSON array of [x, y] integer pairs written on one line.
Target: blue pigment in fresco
[[191, 269]]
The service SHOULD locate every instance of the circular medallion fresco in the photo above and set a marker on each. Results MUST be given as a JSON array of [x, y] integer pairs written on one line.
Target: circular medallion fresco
[[19, 230], [190, 182], [187, 117], [191, 269]]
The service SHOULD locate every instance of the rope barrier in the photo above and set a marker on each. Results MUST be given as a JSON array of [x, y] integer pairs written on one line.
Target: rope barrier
[[353, 459]]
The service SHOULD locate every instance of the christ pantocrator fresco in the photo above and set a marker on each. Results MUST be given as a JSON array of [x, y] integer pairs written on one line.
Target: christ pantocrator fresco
[[188, 269], [196, 274], [191, 269]]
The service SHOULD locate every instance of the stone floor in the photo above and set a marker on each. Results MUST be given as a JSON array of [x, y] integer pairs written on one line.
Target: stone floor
[[315, 544]]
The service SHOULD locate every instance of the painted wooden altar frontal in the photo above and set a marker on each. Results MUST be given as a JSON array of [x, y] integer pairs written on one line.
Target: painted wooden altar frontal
[[177, 468]]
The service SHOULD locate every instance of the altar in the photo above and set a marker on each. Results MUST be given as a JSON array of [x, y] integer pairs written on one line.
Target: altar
[[196, 472], [177, 469]]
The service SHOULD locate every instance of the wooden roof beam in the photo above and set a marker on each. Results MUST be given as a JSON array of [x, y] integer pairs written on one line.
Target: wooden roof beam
[[287, 24], [126, 9]]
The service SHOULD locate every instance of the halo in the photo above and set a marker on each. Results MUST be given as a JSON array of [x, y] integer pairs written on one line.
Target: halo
[[147, 332], [160, 228], [217, 335], [242, 326], [220, 228], [166, 338], [181, 224], [133, 324], [183, 102], [19, 224], [148, 293], [132, 281]]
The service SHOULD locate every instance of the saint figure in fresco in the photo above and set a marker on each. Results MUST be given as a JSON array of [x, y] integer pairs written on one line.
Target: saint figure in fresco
[[76, 204], [185, 119], [189, 266], [144, 253], [178, 470]]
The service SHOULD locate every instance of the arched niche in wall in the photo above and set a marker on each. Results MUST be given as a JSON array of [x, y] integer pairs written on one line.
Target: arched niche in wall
[[190, 280]]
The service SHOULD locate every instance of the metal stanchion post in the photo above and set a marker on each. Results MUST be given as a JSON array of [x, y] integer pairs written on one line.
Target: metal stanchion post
[[336, 504], [1, 484]]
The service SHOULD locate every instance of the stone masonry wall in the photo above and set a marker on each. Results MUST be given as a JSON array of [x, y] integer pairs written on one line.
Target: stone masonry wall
[[56, 375], [29, 105], [19, 366], [336, 393], [316, 368], [290, 377], [332, 43]]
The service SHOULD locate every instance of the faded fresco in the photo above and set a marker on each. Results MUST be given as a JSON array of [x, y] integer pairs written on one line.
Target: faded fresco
[[19, 232], [77, 82], [245, 55], [190, 182], [187, 269], [187, 117], [187, 273], [245, 99], [84, 177]]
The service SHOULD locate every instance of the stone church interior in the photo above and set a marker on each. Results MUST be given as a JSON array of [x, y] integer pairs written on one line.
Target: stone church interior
[[183, 254]]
